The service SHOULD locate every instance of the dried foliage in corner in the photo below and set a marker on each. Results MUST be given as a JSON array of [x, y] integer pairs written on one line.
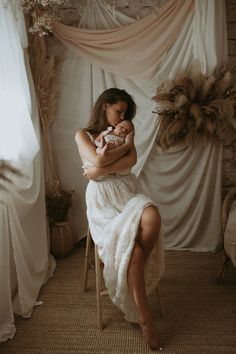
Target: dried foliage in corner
[[43, 14], [190, 106], [58, 203]]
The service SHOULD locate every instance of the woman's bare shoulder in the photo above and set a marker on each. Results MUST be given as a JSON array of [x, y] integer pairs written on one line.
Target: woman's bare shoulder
[[81, 131], [80, 134], [83, 136]]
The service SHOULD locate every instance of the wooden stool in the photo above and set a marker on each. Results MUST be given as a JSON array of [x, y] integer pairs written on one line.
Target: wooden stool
[[96, 265]]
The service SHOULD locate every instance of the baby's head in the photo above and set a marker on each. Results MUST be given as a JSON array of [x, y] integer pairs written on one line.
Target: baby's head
[[123, 128]]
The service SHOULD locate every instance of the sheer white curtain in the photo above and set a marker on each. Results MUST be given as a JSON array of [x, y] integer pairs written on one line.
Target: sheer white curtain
[[15, 102], [24, 258], [82, 82]]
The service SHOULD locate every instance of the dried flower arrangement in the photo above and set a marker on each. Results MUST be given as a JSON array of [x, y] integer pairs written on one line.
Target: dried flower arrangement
[[58, 203], [43, 13], [191, 106]]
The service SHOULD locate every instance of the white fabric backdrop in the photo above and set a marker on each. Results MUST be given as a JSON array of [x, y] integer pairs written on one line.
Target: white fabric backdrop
[[82, 82], [122, 50], [186, 182], [24, 255]]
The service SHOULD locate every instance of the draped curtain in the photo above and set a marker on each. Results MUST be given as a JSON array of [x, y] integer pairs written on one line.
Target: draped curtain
[[132, 51], [24, 256], [109, 51], [18, 133]]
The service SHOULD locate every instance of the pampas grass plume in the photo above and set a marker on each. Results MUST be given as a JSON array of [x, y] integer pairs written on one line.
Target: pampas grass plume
[[176, 127], [181, 101], [207, 84], [225, 83], [210, 126], [166, 106], [196, 113]]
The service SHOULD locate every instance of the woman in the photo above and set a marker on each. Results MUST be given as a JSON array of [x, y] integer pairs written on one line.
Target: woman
[[124, 224]]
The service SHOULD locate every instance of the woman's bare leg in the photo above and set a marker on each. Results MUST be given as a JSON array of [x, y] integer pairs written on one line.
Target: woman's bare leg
[[146, 238], [150, 225]]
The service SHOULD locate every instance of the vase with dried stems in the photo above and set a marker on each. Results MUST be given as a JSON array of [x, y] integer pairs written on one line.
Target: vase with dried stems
[[58, 203]]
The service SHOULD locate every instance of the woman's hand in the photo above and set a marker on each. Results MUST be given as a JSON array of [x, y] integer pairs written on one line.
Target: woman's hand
[[129, 139], [93, 172]]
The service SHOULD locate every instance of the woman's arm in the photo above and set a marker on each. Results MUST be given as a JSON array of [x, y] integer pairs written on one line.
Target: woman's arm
[[123, 163], [87, 150]]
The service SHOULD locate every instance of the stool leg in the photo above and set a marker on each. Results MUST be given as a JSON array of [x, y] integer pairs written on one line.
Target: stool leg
[[98, 287], [159, 302], [86, 260], [220, 278]]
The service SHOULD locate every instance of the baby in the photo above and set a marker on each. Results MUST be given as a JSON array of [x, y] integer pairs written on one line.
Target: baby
[[113, 137]]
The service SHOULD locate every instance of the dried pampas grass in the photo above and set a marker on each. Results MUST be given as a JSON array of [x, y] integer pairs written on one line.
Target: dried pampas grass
[[191, 106], [46, 70], [46, 76], [48, 89]]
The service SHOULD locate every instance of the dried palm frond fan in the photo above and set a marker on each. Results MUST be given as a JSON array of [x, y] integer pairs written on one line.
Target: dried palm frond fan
[[190, 106]]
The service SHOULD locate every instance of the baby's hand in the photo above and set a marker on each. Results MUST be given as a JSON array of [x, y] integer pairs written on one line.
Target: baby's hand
[[129, 137]]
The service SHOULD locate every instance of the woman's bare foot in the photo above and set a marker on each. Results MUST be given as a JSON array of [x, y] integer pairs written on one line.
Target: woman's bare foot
[[150, 334]]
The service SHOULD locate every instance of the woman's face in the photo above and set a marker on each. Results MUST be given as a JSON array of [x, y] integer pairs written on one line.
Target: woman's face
[[115, 113]]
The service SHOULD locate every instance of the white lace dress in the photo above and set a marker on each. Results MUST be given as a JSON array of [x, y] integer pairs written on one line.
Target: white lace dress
[[114, 209]]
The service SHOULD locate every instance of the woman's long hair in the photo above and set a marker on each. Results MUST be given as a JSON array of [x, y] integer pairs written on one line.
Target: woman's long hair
[[98, 121]]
